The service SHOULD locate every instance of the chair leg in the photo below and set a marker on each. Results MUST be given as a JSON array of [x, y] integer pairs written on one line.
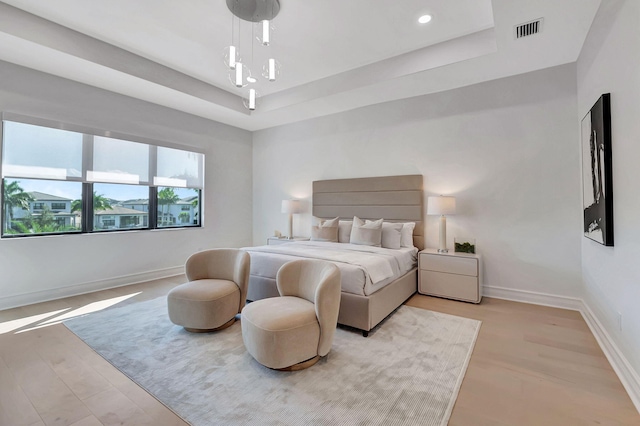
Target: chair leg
[[207, 330], [301, 365]]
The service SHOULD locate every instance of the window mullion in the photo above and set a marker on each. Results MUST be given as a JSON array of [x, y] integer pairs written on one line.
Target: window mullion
[[153, 190], [87, 187]]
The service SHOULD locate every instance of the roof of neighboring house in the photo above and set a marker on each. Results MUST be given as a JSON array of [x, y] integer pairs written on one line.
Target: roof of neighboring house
[[118, 210], [41, 196], [187, 200], [138, 201]]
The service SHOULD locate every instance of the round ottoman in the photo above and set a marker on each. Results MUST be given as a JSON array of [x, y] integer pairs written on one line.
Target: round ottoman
[[204, 305]]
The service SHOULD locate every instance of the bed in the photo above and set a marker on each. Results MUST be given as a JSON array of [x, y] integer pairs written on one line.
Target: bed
[[370, 292]]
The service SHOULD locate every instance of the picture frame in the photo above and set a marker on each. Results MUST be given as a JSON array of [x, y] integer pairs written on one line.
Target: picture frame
[[597, 172]]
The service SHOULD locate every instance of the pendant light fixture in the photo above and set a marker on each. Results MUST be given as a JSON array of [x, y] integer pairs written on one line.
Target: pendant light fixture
[[271, 69], [252, 100], [260, 13], [265, 32]]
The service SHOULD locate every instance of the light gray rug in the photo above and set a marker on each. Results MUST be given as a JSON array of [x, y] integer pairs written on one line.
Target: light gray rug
[[408, 371]]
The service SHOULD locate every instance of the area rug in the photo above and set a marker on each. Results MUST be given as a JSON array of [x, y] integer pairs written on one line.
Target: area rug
[[408, 371]]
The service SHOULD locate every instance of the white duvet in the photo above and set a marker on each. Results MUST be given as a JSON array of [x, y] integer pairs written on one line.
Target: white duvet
[[364, 269]]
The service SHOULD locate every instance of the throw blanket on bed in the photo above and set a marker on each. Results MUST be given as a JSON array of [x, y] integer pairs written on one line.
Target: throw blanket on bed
[[375, 262]]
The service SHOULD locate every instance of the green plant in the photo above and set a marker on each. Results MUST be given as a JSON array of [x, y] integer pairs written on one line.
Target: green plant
[[465, 247]]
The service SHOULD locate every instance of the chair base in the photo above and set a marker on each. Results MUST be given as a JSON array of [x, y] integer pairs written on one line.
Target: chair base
[[208, 330], [301, 365]]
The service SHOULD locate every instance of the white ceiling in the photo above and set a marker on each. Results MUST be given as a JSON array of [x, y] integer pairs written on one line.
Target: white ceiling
[[336, 55]]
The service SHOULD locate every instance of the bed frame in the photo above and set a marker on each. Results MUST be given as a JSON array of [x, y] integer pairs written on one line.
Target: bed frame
[[394, 198]]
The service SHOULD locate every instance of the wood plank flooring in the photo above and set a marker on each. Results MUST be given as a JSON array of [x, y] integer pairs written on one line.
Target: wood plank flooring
[[534, 365], [531, 365]]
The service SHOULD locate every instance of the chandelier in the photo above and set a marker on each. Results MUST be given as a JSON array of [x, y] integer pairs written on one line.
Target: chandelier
[[259, 14]]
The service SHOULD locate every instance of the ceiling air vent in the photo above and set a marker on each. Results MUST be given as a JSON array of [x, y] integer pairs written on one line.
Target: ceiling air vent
[[528, 28]]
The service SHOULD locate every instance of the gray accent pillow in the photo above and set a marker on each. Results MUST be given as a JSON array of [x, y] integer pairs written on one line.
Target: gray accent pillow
[[368, 234]]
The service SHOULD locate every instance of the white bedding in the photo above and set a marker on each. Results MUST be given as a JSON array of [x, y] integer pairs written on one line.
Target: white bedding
[[364, 269]]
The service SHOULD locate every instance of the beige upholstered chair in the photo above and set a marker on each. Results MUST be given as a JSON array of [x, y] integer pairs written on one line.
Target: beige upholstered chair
[[294, 330], [215, 293]]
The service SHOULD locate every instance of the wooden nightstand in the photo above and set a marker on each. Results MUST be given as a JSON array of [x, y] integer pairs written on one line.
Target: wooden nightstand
[[451, 275], [272, 241]]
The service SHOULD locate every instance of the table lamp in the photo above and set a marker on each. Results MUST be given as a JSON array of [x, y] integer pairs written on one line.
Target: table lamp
[[442, 206], [291, 207]]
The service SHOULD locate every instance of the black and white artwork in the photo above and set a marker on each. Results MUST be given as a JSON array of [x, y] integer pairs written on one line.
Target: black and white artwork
[[596, 172]]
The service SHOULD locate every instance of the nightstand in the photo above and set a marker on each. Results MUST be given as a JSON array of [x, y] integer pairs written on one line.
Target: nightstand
[[272, 241], [451, 275]]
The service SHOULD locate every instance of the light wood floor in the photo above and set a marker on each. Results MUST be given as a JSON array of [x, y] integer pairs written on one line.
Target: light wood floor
[[531, 365]]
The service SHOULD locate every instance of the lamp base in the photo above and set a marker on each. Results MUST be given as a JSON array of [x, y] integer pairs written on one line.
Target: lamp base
[[443, 250]]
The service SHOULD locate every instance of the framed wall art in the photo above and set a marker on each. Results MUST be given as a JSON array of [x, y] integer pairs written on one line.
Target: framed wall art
[[597, 174]]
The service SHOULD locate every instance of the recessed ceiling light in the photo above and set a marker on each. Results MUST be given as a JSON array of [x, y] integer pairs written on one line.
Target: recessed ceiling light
[[424, 19]]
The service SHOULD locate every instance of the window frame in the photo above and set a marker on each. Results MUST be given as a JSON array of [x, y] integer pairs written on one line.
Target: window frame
[[87, 213]]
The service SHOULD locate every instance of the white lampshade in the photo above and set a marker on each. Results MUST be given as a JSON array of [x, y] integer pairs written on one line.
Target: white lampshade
[[441, 205], [291, 206]]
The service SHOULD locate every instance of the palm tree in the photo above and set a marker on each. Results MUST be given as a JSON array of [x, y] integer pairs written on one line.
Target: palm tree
[[100, 202], [14, 196], [166, 197]]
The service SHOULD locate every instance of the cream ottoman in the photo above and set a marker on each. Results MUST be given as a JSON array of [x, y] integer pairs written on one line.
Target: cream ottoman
[[204, 305]]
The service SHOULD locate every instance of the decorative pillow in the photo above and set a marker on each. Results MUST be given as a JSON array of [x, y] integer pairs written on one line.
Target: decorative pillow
[[344, 231], [368, 234], [391, 235], [329, 222], [327, 230], [407, 234]]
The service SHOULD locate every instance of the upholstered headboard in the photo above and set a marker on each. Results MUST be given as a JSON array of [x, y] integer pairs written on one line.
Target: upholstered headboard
[[394, 198]]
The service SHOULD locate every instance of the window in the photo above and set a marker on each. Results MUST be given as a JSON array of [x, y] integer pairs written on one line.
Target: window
[[112, 206], [64, 181], [178, 207], [25, 214]]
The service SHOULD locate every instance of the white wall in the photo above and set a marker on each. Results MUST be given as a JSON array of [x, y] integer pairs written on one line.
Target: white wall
[[505, 148], [40, 268], [610, 63]]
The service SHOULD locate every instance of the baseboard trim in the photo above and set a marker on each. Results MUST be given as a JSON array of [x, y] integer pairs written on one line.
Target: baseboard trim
[[88, 287], [627, 375], [524, 296]]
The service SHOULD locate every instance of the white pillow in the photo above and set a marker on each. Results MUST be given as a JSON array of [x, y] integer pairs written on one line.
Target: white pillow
[[327, 230], [391, 235], [368, 234], [407, 234], [344, 231]]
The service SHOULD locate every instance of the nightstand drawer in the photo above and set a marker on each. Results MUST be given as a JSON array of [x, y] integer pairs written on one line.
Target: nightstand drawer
[[449, 264], [461, 287]]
